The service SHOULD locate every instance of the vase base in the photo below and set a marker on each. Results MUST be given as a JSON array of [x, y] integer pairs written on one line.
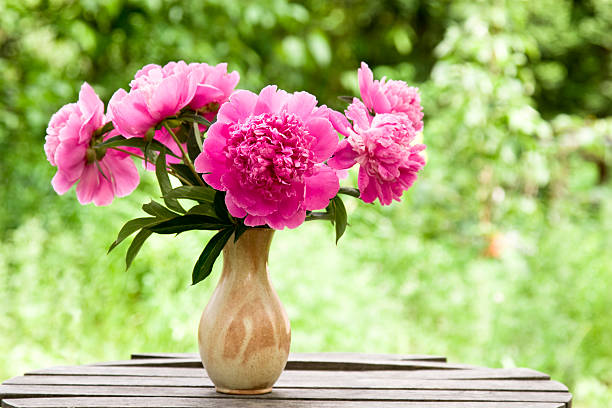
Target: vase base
[[243, 392]]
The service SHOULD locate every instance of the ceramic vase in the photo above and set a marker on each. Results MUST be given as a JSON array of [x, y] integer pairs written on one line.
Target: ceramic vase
[[244, 332]]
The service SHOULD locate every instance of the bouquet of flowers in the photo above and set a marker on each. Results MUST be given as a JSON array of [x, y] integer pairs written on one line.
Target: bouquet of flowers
[[243, 160]]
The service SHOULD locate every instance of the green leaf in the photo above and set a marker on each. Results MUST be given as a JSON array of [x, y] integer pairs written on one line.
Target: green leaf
[[157, 210], [193, 149], [164, 182], [203, 209], [347, 99], [340, 217], [120, 141], [184, 171], [193, 117], [131, 227], [188, 222], [353, 192], [108, 126], [148, 154], [182, 134], [209, 255], [135, 246], [220, 208], [240, 229], [330, 210], [198, 135], [199, 193]]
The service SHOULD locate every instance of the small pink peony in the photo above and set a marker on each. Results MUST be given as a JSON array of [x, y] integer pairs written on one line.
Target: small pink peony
[[159, 92], [214, 89], [384, 147], [67, 146], [267, 152], [389, 96]]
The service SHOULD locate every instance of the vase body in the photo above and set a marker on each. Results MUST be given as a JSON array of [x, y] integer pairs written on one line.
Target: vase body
[[244, 332]]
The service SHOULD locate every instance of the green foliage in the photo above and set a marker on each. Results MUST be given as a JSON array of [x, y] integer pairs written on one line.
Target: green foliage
[[507, 228], [339, 218], [211, 252]]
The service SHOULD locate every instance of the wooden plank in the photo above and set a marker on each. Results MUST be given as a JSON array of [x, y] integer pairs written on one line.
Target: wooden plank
[[25, 391], [323, 379], [297, 364], [153, 402], [476, 374], [313, 356]]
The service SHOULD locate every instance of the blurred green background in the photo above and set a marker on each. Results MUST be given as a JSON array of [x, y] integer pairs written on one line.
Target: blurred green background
[[501, 254]]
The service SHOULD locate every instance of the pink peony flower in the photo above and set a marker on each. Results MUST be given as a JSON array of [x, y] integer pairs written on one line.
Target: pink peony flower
[[267, 152], [389, 96], [384, 148], [67, 147], [159, 92], [214, 89]]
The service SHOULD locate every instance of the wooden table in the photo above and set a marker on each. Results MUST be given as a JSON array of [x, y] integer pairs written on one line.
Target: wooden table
[[322, 380]]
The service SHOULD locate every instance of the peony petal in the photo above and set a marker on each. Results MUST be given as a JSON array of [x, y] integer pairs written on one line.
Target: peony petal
[[380, 103], [278, 222], [302, 104], [366, 80], [270, 99], [169, 97], [344, 157], [358, 113], [88, 185], [366, 186], [124, 174], [371, 91], [204, 95], [70, 158], [92, 111], [233, 208], [326, 138], [288, 206], [240, 105], [339, 122], [144, 71], [321, 187], [254, 221], [61, 183], [104, 194], [130, 114]]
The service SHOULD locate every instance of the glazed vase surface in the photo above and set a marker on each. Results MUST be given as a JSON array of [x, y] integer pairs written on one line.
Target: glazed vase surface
[[244, 334]]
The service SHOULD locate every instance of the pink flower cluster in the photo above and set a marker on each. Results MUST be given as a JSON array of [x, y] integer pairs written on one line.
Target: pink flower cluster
[[267, 152], [276, 155], [156, 93], [159, 92], [381, 138], [68, 146]]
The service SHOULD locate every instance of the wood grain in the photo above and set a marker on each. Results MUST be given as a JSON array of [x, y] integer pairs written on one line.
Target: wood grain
[[297, 363], [22, 391], [142, 402], [322, 380], [313, 356], [476, 374], [309, 379]]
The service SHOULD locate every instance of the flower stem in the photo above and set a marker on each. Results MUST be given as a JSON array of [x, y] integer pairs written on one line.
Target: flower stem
[[319, 216], [353, 192], [169, 169], [198, 135], [186, 158], [126, 152], [107, 127]]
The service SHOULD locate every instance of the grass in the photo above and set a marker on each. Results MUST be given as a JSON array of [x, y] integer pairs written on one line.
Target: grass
[[391, 285]]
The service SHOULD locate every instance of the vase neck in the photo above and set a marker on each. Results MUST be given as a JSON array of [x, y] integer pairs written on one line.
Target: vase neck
[[249, 255]]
